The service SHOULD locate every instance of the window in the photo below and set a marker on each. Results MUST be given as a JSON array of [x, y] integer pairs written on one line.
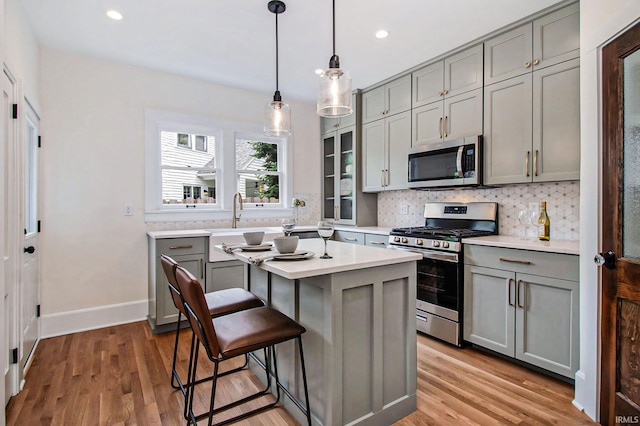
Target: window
[[185, 172], [194, 165], [258, 170]]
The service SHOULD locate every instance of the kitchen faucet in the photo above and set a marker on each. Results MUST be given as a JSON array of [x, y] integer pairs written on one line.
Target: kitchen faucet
[[234, 218]]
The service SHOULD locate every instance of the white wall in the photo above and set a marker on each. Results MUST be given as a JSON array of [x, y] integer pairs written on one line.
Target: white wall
[[93, 163], [22, 52], [600, 22]]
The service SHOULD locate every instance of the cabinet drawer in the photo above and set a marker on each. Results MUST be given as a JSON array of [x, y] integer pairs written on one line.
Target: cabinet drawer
[[375, 240], [349, 237], [180, 246], [544, 264]]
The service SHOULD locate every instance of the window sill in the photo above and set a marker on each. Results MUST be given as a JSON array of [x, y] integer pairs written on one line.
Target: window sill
[[198, 215]]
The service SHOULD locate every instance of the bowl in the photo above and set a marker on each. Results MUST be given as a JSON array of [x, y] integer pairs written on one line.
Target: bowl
[[253, 238], [286, 244]]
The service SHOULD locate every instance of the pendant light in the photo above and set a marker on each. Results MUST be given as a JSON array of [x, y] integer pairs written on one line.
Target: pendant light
[[277, 114], [334, 87]]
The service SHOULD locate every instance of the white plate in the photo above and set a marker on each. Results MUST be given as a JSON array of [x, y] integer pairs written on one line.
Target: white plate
[[298, 255], [260, 247]]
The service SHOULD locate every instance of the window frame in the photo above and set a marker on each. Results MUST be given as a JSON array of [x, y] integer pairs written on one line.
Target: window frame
[[225, 132]]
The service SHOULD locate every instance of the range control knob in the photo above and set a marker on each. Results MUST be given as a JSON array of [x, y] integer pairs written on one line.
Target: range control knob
[[445, 244], [396, 239], [405, 240], [436, 243], [419, 242]]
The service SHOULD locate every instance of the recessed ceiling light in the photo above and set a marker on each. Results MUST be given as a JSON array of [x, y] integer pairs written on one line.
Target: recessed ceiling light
[[114, 14], [382, 34]]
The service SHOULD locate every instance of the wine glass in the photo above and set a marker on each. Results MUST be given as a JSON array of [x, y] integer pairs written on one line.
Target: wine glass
[[325, 230], [287, 225], [525, 218]]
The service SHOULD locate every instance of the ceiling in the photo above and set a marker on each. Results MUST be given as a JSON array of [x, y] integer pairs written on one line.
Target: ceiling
[[233, 42]]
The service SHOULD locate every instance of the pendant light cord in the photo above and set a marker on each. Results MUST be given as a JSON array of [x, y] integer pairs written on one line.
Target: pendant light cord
[[276, 52], [334, 27]]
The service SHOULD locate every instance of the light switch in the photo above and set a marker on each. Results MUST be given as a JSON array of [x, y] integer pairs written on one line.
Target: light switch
[[128, 210]]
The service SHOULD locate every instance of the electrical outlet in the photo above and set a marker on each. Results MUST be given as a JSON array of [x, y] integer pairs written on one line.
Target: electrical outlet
[[128, 210], [404, 209]]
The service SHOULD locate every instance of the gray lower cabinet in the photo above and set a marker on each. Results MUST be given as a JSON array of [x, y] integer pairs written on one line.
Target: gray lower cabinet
[[223, 275], [190, 253], [523, 304], [376, 240], [349, 237], [532, 126]]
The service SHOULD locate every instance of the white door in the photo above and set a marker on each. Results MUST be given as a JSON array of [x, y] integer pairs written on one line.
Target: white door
[[7, 192], [30, 280]]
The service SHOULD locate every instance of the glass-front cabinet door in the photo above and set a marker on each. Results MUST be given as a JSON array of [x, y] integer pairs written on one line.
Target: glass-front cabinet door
[[339, 176]]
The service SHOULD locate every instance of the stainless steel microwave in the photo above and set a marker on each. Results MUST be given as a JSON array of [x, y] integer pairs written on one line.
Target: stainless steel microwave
[[450, 164]]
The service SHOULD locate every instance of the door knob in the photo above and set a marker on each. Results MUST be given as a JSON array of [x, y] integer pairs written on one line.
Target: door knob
[[30, 249], [608, 259]]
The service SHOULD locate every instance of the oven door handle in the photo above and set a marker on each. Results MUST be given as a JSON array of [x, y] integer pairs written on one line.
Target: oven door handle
[[429, 254]]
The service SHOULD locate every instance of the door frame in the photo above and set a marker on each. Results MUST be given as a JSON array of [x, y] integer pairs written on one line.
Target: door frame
[[613, 53], [11, 233]]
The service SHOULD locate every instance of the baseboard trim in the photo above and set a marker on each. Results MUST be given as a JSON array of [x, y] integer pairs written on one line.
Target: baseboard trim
[[62, 323]]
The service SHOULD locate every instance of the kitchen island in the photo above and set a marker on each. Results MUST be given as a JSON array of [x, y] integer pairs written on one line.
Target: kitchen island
[[360, 345]]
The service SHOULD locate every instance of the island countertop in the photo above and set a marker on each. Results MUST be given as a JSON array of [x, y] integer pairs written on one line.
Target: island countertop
[[346, 257]]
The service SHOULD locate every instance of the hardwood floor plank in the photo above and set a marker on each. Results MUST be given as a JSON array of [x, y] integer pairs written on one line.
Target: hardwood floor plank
[[120, 376]]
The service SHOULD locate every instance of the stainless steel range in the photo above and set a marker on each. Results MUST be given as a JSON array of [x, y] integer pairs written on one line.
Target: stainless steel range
[[440, 272]]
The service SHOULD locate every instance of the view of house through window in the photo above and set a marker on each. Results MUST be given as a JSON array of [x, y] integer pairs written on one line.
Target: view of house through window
[[188, 165], [258, 171]]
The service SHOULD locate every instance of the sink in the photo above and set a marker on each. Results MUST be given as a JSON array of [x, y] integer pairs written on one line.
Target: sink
[[234, 236]]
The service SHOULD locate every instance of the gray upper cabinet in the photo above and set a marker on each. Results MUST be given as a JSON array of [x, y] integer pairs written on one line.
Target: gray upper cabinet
[[532, 126], [547, 41], [343, 200], [389, 99], [452, 118], [452, 76], [447, 98], [385, 144]]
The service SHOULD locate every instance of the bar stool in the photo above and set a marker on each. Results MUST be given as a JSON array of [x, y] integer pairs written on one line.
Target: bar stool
[[237, 334], [219, 303]]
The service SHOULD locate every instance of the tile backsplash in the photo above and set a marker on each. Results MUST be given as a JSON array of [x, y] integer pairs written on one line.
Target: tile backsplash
[[563, 206]]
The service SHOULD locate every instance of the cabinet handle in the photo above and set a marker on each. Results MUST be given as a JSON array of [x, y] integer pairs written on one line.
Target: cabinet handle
[[335, 212], [535, 163], [536, 62], [440, 128], [527, 64], [440, 93], [518, 295], [526, 162], [201, 269], [445, 125], [522, 262], [180, 247], [380, 243], [386, 177], [445, 92], [509, 281], [350, 239], [381, 177]]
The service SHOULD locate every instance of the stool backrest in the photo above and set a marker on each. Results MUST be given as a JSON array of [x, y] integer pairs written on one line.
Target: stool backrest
[[169, 265], [197, 311]]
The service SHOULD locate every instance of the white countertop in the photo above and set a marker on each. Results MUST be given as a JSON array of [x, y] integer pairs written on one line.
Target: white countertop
[[157, 235], [508, 241], [346, 257]]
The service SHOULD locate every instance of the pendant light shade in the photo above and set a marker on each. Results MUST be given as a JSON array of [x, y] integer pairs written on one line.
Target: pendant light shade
[[277, 114], [334, 87]]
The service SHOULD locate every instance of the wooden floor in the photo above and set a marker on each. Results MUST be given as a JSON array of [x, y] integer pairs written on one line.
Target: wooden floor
[[120, 376]]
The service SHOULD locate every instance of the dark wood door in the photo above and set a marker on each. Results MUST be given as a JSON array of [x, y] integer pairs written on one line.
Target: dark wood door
[[620, 386]]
